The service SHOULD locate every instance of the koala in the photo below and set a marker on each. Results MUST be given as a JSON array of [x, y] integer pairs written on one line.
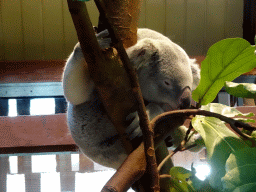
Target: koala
[[166, 76]]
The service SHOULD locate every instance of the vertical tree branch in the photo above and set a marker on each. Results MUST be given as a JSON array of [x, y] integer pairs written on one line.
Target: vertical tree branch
[[123, 16], [108, 84], [105, 69], [148, 133]]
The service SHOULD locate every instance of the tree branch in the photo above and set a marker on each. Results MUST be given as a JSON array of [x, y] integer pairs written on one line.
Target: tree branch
[[101, 64], [144, 120], [115, 90], [188, 112], [105, 68], [163, 125]]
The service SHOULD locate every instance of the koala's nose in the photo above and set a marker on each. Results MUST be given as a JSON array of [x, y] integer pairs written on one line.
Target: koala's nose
[[185, 99]]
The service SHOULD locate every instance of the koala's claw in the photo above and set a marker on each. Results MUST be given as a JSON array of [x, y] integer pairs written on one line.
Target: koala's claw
[[104, 43], [135, 134], [103, 39], [133, 130], [102, 34]]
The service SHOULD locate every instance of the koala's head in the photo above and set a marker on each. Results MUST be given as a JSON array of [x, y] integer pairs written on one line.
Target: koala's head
[[164, 72]]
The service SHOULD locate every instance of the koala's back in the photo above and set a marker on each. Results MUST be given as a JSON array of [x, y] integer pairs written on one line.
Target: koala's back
[[151, 34], [94, 133]]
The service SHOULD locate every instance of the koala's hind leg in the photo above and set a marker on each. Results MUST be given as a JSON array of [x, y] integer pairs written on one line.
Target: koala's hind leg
[[77, 83]]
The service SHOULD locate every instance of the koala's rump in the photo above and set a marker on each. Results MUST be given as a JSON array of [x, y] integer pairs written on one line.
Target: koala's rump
[[94, 133]]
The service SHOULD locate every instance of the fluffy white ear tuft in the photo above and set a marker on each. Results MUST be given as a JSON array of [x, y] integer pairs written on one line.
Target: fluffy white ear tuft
[[195, 72]]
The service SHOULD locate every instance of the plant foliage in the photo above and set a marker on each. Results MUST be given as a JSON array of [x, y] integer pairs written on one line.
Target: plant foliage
[[225, 61], [240, 171], [244, 90], [232, 159], [220, 141], [180, 176]]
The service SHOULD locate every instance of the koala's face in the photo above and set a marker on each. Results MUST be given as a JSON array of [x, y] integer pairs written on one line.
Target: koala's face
[[164, 72]]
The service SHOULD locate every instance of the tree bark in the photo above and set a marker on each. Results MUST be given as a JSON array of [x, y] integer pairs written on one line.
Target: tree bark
[[117, 91]]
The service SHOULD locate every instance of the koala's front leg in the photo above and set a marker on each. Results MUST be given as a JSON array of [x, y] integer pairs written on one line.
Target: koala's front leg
[[77, 83], [133, 130]]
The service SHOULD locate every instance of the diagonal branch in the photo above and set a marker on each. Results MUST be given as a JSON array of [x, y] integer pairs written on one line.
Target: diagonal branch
[[144, 120], [188, 112], [163, 124]]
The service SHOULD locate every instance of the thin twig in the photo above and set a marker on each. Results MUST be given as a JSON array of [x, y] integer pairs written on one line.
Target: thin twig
[[188, 131], [189, 147], [167, 157], [187, 112], [165, 176]]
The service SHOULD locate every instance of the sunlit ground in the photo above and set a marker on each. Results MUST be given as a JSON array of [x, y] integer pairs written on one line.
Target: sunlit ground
[[46, 164]]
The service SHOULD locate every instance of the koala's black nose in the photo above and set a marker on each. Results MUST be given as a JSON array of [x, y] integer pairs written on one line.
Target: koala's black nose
[[185, 98]]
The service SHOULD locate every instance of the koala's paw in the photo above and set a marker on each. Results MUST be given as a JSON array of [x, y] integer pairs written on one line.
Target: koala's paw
[[103, 39], [133, 130]]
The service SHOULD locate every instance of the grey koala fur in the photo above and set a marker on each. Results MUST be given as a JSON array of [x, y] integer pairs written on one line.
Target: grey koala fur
[[166, 76]]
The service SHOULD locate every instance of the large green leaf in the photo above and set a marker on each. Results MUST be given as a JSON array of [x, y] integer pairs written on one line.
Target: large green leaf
[[241, 171], [225, 60], [244, 90], [219, 141]]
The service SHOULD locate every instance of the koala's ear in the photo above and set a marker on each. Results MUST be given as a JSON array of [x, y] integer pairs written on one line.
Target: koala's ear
[[143, 48], [78, 52], [136, 52], [142, 52], [195, 72]]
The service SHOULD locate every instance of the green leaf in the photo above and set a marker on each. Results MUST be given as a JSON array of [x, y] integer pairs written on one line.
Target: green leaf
[[180, 176], [180, 173], [240, 171], [244, 90], [202, 186], [185, 180], [220, 142], [225, 60], [254, 134], [248, 187], [245, 120], [225, 110]]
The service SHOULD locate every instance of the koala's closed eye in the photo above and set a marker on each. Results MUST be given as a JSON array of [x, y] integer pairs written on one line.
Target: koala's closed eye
[[163, 81]]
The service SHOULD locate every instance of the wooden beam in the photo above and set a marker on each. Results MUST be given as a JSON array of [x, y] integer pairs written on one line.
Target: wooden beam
[[48, 133], [38, 71], [35, 134], [31, 71]]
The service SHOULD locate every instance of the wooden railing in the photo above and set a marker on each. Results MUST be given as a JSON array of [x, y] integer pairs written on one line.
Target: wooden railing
[[33, 180], [45, 133]]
